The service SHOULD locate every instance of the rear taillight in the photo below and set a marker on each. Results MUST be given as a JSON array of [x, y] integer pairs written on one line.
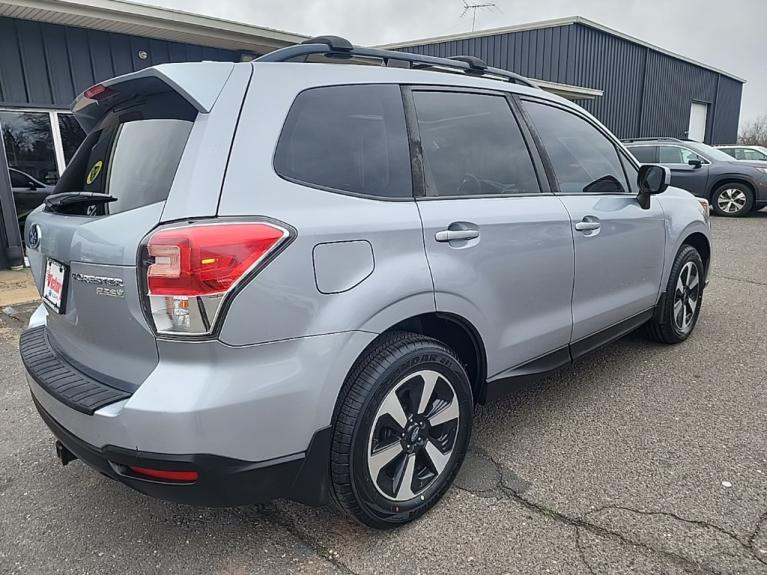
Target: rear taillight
[[192, 268]]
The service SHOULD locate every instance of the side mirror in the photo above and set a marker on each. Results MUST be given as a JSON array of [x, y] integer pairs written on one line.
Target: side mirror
[[695, 163], [652, 179]]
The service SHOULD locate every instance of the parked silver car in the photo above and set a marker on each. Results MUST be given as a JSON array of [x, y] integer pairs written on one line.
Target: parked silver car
[[284, 279]]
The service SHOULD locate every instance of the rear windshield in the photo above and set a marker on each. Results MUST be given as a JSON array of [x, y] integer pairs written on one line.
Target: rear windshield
[[145, 155], [133, 153]]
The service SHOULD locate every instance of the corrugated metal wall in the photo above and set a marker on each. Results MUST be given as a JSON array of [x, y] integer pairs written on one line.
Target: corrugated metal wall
[[670, 88], [727, 111], [48, 65], [646, 93]]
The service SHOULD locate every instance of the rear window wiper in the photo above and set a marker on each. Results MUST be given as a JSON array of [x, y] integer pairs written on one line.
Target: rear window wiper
[[75, 202]]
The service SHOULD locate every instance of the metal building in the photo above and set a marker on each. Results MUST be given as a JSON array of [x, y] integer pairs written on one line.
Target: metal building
[[634, 88]]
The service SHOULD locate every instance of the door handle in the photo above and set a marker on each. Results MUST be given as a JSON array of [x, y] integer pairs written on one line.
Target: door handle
[[587, 226], [452, 235]]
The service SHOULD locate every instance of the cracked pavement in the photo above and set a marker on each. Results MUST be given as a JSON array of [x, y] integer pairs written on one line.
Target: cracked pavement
[[639, 459]]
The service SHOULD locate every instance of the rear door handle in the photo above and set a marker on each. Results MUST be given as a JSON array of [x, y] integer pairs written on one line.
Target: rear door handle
[[452, 235], [587, 226]]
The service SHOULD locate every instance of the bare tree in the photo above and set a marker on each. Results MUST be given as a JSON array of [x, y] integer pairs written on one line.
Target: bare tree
[[754, 133]]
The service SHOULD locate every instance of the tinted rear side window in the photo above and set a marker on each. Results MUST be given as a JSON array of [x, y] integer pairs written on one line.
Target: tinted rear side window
[[644, 154], [349, 139]]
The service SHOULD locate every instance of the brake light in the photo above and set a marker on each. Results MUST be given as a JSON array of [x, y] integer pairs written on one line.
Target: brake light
[[194, 266], [97, 92], [182, 476]]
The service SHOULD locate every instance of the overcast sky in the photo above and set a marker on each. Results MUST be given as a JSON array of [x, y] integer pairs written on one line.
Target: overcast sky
[[726, 34]]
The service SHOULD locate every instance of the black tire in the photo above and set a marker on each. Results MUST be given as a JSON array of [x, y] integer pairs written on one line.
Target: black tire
[[665, 327], [723, 204], [392, 366]]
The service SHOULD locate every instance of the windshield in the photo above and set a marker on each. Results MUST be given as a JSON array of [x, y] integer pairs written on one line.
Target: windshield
[[710, 152]]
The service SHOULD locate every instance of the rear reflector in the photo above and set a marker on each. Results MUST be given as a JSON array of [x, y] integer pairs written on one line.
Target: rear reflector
[[194, 266], [184, 476]]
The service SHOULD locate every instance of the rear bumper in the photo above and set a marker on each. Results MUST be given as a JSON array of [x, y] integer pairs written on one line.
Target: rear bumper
[[252, 421], [222, 481], [252, 403]]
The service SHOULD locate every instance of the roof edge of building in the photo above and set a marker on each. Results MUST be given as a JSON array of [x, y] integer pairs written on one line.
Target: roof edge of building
[[566, 21], [135, 13]]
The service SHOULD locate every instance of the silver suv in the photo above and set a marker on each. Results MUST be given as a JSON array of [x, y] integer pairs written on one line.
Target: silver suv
[[294, 279]]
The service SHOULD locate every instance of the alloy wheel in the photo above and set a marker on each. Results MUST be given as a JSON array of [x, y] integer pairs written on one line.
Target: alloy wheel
[[731, 200], [413, 435], [686, 297]]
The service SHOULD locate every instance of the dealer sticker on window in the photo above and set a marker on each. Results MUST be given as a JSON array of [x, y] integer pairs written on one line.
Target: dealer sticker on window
[[55, 277]]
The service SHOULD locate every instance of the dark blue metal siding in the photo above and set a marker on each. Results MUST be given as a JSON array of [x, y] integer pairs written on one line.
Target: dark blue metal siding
[[613, 65], [671, 88], [48, 65], [646, 93], [727, 111]]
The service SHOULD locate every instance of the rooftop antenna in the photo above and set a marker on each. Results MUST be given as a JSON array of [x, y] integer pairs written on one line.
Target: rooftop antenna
[[474, 8]]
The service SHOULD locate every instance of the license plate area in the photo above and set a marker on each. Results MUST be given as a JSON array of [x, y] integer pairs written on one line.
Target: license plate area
[[55, 287]]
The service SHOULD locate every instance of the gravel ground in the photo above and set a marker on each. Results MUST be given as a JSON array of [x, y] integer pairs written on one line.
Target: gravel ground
[[639, 459]]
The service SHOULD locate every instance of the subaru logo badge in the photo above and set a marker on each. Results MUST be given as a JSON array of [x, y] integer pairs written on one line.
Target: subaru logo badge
[[33, 238]]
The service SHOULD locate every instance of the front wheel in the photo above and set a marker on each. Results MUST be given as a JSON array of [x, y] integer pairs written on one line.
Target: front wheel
[[679, 313], [401, 430], [732, 200]]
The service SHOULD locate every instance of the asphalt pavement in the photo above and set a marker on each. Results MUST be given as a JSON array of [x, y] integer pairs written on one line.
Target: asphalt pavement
[[641, 458]]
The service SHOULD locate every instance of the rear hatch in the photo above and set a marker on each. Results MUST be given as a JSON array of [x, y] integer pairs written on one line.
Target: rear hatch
[[83, 252]]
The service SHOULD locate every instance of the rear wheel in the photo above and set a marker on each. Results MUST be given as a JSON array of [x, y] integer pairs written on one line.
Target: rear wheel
[[401, 430], [675, 321], [732, 200]]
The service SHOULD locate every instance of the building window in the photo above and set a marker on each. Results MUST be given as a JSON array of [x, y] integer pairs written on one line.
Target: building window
[[72, 135], [28, 140], [40, 143]]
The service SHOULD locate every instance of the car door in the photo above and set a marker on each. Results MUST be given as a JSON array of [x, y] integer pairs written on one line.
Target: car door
[[619, 247], [498, 242], [693, 178]]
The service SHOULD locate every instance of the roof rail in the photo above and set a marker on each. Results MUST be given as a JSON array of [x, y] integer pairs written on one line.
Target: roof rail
[[662, 139], [335, 47]]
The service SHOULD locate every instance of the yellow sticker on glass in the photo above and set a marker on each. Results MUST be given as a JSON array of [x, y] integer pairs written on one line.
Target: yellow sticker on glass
[[94, 173]]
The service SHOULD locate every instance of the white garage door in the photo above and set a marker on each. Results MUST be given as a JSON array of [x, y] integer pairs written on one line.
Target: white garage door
[[698, 115]]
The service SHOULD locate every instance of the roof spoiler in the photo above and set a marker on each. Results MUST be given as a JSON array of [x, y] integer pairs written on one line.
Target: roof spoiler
[[199, 83]]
